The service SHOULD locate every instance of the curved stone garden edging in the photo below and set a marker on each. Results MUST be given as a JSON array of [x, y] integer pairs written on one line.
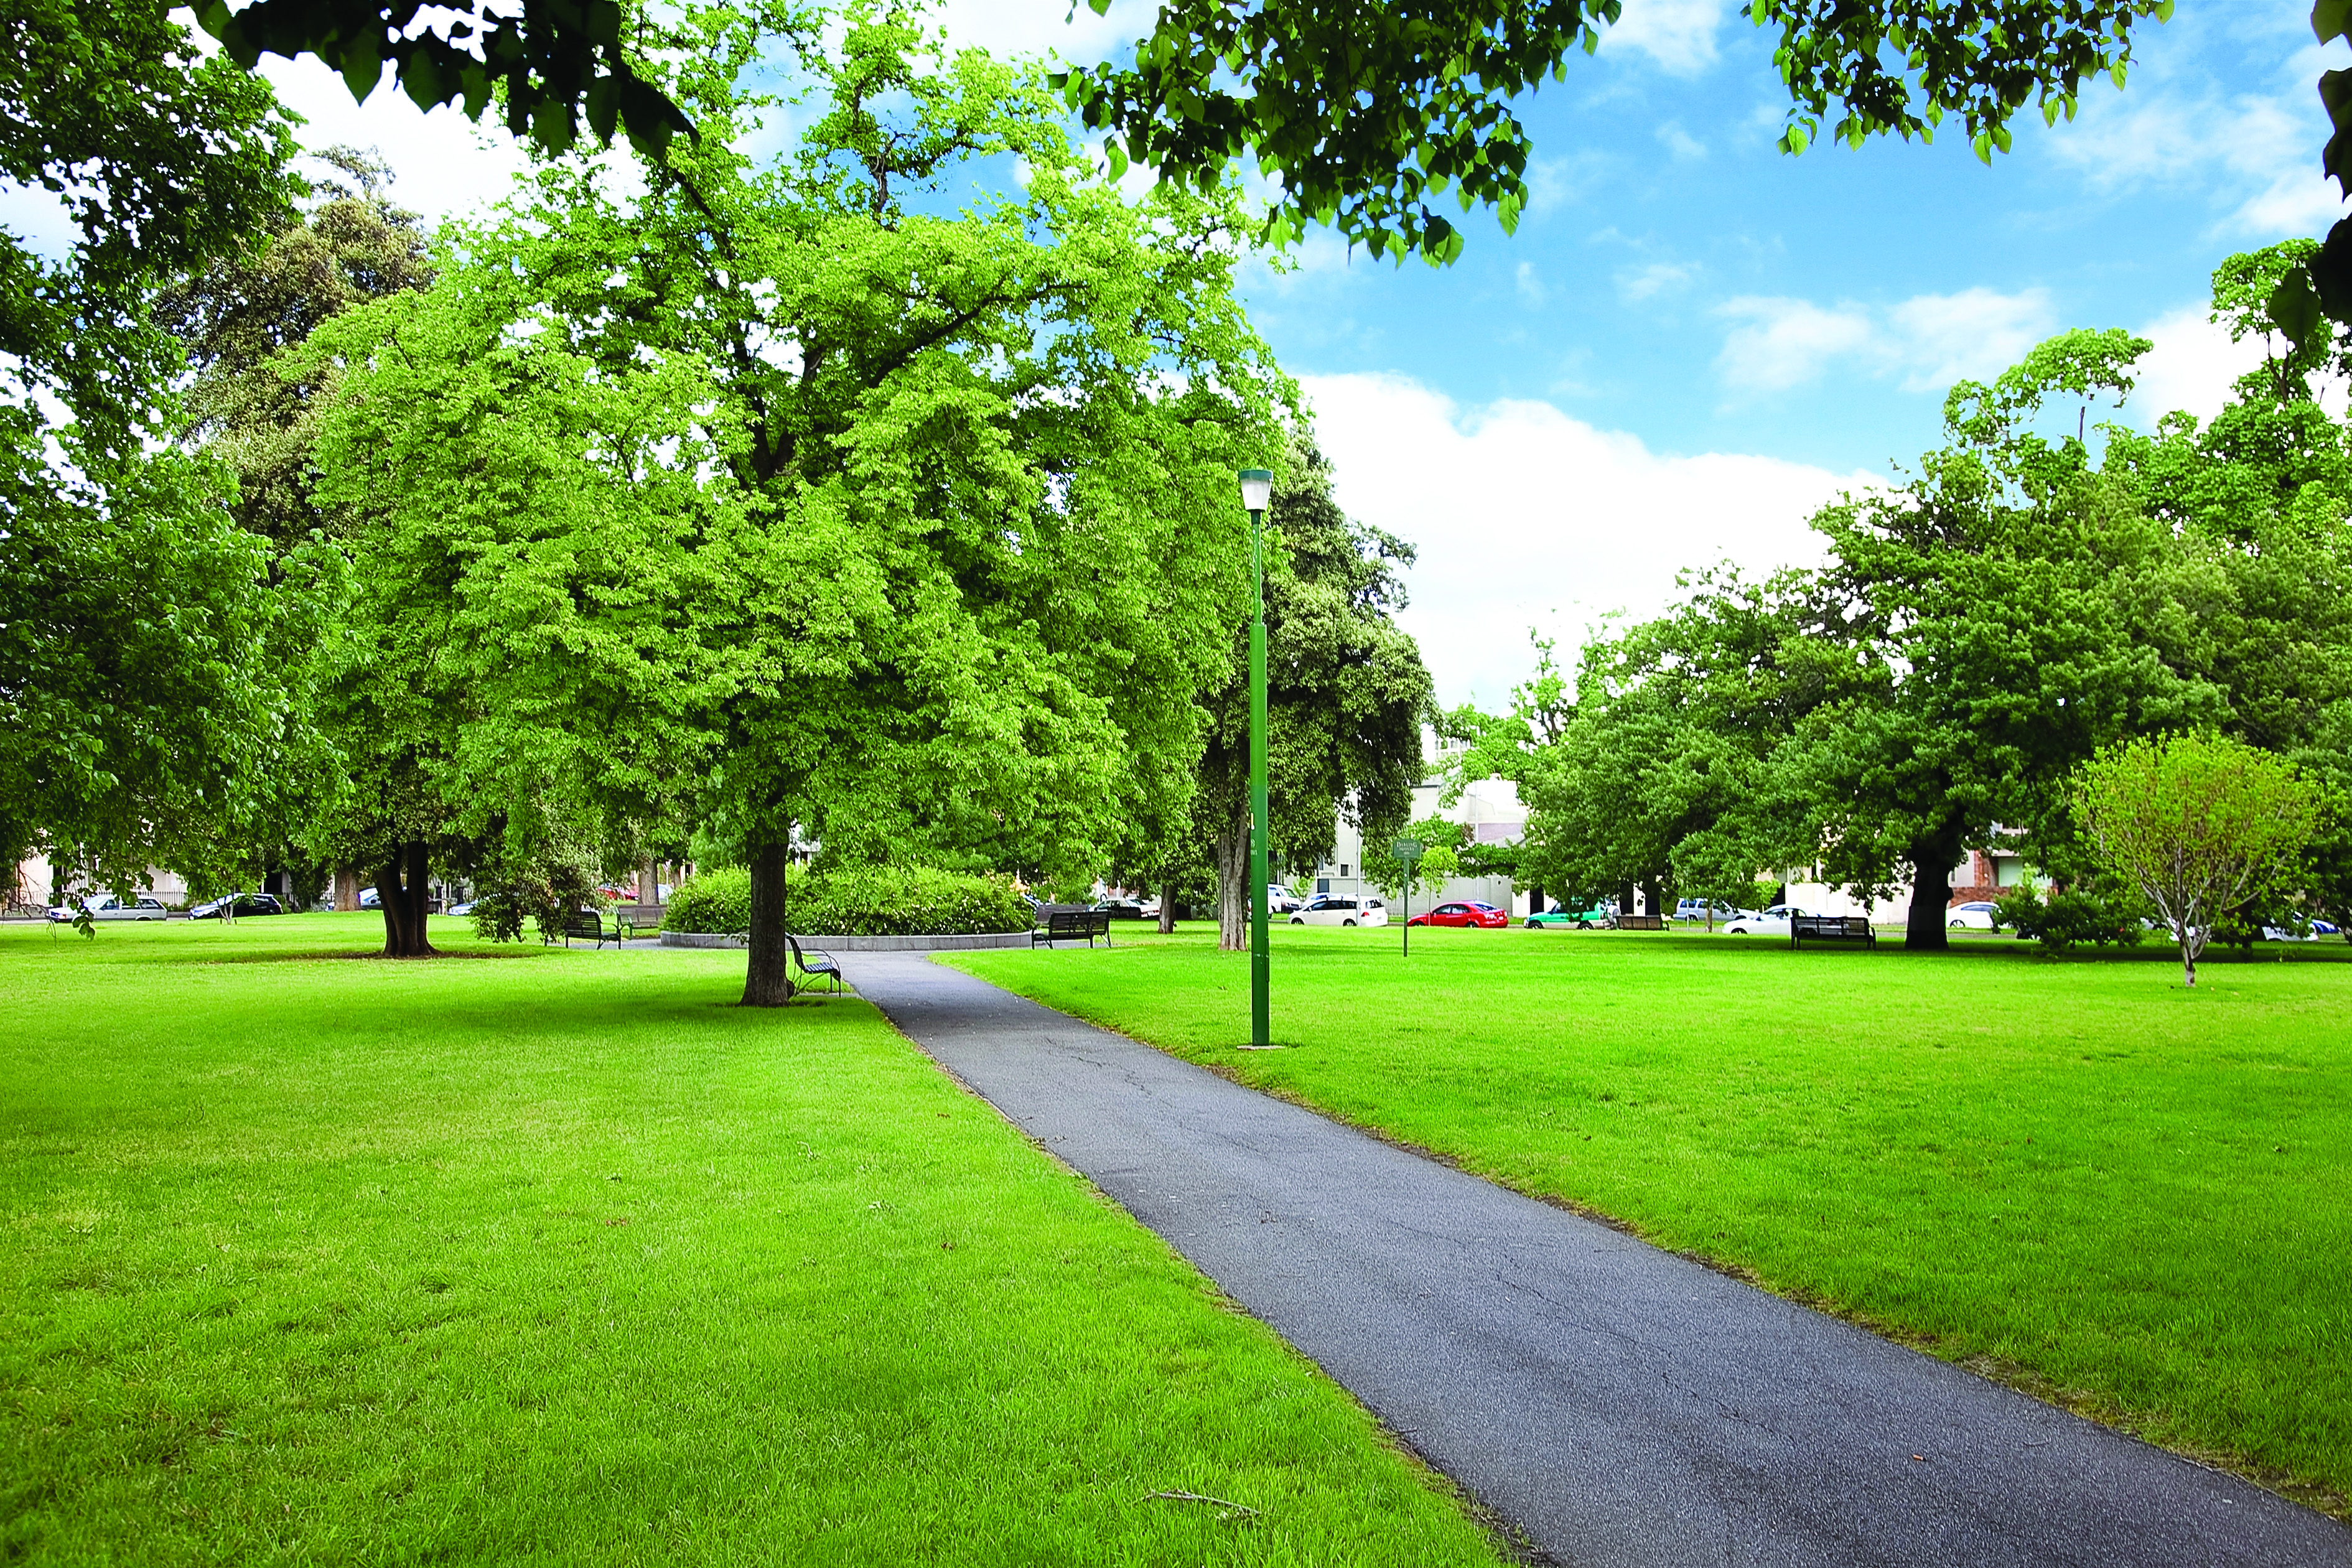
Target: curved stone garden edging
[[859, 943]]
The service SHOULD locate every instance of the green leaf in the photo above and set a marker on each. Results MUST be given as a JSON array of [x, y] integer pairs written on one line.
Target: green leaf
[[421, 79], [2295, 309], [363, 67], [2331, 18]]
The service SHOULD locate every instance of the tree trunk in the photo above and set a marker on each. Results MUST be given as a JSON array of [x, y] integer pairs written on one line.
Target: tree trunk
[[347, 892], [1624, 897], [1168, 909], [401, 890], [1652, 897], [1232, 885], [1931, 899], [768, 979]]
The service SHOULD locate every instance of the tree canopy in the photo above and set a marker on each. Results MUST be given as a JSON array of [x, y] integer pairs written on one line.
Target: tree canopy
[[138, 690], [1368, 115], [772, 498]]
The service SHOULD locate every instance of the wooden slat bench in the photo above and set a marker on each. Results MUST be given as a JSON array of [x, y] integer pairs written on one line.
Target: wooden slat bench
[[588, 926], [1068, 924], [1641, 923], [1803, 929]]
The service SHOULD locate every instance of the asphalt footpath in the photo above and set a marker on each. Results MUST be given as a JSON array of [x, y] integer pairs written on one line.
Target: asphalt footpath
[[1617, 1403]]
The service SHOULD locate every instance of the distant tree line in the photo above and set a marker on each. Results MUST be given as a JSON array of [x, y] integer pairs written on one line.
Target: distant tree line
[[2039, 588]]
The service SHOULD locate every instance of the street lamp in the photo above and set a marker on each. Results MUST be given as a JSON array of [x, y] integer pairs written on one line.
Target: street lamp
[[1258, 487]]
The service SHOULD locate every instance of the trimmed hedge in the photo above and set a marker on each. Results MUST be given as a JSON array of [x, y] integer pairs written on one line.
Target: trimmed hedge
[[856, 900]]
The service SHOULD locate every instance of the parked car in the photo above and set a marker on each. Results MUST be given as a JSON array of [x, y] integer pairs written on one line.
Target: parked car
[[466, 908], [1128, 910], [1696, 909], [1773, 922], [1334, 909], [1600, 917], [1977, 916], [244, 904], [1468, 912], [140, 909], [1281, 900]]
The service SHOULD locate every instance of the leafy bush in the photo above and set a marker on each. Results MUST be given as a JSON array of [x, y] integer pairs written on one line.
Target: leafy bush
[[545, 893], [855, 900], [890, 900], [717, 902], [2064, 919]]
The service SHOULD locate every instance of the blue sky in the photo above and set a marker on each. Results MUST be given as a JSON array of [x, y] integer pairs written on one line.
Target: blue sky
[[1681, 281], [1692, 340]]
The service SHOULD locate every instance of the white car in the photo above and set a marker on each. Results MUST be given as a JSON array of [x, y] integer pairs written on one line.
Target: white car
[[1773, 922], [1976, 916], [117, 909], [1334, 909]]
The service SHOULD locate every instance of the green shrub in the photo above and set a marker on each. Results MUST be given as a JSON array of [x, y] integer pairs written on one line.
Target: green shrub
[[2064, 919], [543, 891], [891, 901], [855, 900], [715, 902]]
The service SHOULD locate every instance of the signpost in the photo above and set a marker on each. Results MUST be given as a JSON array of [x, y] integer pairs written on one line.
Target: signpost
[[1407, 851]]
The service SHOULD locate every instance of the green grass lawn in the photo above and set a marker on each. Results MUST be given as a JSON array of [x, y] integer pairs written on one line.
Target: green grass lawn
[[530, 1255], [2071, 1174]]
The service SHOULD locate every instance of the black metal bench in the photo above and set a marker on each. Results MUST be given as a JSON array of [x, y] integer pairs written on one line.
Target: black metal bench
[[811, 963], [588, 926], [1064, 925], [1803, 929]]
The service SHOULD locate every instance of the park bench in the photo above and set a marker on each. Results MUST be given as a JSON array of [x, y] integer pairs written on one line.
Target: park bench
[[811, 963], [1803, 929], [1641, 923], [1066, 924], [588, 926]]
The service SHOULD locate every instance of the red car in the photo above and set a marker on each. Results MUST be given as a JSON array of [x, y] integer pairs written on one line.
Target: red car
[[1461, 914]]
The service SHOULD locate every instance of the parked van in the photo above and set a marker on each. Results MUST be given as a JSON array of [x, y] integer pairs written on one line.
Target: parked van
[[1339, 909]]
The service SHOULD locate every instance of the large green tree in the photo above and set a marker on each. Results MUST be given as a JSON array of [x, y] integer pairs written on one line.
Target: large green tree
[[777, 498], [1346, 695], [139, 704]]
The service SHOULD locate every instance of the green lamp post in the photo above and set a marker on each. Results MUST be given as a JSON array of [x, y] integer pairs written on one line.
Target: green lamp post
[[1258, 487]]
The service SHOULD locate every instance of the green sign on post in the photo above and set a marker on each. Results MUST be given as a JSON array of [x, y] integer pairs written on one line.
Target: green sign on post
[[1407, 851]]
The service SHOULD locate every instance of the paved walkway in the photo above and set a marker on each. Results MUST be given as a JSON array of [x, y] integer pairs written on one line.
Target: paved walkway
[[1622, 1405]]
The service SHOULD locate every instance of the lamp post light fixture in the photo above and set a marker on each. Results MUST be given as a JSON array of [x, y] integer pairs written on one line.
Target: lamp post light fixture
[[1257, 488]]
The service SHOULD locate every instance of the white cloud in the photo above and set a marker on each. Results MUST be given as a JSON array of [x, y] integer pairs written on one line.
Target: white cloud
[[1940, 338], [2190, 367], [1531, 287], [1783, 343], [1681, 143], [1555, 181], [1528, 518], [1677, 35], [2255, 156], [1931, 340], [1635, 284], [442, 163]]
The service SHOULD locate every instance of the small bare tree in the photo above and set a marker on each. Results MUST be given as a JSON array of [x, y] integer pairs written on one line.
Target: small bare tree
[[2198, 823]]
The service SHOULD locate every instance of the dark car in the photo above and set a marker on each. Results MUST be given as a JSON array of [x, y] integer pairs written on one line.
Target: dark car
[[1127, 910], [1462, 912], [237, 905]]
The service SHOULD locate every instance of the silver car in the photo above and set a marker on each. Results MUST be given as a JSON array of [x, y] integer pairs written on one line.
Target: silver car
[[116, 910]]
